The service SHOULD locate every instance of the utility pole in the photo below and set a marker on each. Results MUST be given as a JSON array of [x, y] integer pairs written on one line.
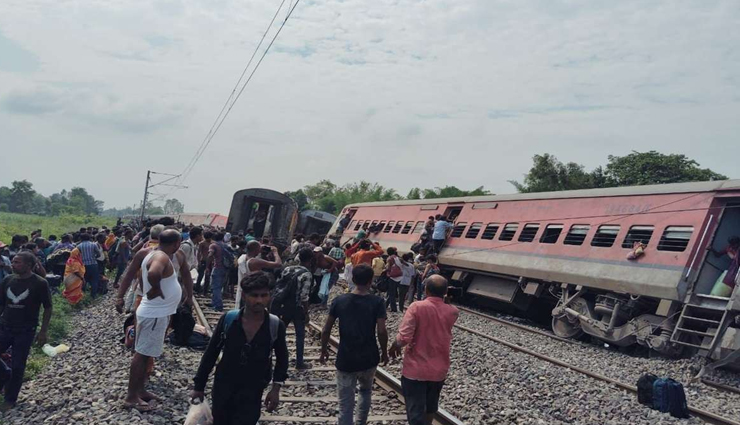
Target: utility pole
[[146, 195], [161, 183]]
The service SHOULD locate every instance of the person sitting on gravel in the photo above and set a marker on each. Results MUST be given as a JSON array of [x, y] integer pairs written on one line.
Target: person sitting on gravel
[[426, 330], [21, 296], [247, 342], [360, 314], [162, 297]]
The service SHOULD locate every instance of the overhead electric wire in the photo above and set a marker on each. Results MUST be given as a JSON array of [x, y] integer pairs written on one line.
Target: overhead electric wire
[[231, 101]]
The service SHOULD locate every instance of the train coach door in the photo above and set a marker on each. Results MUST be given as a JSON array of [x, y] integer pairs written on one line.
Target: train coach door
[[714, 266], [453, 211]]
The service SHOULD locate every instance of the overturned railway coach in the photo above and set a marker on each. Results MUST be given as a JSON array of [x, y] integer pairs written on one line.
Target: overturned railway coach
[[573, 247]]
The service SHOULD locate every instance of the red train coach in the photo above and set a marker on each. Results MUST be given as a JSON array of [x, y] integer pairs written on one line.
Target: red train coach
[[573, 245]]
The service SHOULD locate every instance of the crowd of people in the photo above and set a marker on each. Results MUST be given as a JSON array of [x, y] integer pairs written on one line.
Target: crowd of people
[[151, 267]]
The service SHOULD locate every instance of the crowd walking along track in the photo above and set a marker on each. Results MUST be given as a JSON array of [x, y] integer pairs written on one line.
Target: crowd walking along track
[[704, 415], [309, 396]]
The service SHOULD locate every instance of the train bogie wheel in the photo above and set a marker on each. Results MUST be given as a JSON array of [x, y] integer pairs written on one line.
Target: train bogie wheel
[[564, 328]]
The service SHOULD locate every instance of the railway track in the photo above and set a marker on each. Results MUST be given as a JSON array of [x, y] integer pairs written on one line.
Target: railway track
[[305, 389], [704, 415]]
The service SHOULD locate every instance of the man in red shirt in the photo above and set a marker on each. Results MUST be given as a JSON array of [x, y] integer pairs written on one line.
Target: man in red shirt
[[426, 331]]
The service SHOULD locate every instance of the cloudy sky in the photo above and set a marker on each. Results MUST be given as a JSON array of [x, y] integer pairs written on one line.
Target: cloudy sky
[[401, 92]]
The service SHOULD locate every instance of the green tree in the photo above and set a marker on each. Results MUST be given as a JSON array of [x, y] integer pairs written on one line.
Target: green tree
[[549, 174], [452, 192], [640, 168], [21, 197], [173, 206], [414, 193], [299, 197]]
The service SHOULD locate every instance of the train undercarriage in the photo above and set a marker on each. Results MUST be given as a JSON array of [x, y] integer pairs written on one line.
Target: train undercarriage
[[621, 320]]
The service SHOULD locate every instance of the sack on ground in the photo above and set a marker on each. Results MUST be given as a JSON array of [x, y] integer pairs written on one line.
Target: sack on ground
[[199, 414], [669, 397], [645, 389]]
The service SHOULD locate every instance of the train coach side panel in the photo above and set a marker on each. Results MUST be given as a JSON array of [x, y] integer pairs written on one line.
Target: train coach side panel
[[658, 281]]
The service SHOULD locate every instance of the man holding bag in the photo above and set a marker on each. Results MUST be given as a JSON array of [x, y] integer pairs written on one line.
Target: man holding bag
[[248, 338]]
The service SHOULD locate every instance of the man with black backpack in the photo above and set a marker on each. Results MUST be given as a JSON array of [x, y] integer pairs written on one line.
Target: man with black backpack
[[247, 338], [290, 300], [221, 258]]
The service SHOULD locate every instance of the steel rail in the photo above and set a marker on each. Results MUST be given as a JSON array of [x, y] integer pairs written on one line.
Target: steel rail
[[706, 416], [391, 383], [716, 385]]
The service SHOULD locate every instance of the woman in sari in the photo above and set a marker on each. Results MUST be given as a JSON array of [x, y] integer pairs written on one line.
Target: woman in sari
[[74, 277]]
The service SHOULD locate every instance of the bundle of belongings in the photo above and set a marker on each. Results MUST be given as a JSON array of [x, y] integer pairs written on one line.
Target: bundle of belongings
[[662, 394]]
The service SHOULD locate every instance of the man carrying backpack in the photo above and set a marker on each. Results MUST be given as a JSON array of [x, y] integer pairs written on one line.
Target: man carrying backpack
[[221, 259], [247, 338], [290, 300]]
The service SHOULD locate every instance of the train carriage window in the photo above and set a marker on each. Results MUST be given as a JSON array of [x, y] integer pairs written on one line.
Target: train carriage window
[[389, 227], [529, 232], [473, 231], [352, 224], [366, 225], [490, 231], [605, 236], [398, 227], [638, 234], [675, 238], [552, 233], [577, 234], [407, 228], [381, 226], [458, 230], [419, 227], [508, 233]]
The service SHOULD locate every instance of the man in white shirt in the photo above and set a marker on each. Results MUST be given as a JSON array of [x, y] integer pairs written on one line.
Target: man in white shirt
[[249, 263], [162, 294]]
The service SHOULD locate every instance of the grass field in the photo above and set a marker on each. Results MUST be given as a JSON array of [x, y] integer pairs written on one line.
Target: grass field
[[24, 224]]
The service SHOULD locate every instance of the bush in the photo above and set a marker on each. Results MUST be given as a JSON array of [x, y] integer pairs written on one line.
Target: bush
[[24, 224]]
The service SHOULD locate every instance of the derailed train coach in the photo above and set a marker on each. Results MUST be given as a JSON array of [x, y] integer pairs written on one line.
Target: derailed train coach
[[572, 247], [266, 212]]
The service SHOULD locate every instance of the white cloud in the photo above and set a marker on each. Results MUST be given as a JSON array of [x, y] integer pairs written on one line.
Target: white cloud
[[406, 93]]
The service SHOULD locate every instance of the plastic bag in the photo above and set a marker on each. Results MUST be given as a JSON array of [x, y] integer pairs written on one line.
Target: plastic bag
[[324, 289], [53, 351], [199, 414]]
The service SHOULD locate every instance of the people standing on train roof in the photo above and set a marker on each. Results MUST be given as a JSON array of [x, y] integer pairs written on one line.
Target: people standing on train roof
[[441, 230], [725, 283], [426, 331], [162, 295], [301, 278], [247, 338], [362, 327], [21, 296], [250, 263], [204, 275]]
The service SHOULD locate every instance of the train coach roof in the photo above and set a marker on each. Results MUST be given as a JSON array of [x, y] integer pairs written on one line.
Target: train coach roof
[[694, 187]]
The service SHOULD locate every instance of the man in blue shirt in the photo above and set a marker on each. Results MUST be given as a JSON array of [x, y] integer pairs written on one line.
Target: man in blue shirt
[[90, 251], [441, 227]]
